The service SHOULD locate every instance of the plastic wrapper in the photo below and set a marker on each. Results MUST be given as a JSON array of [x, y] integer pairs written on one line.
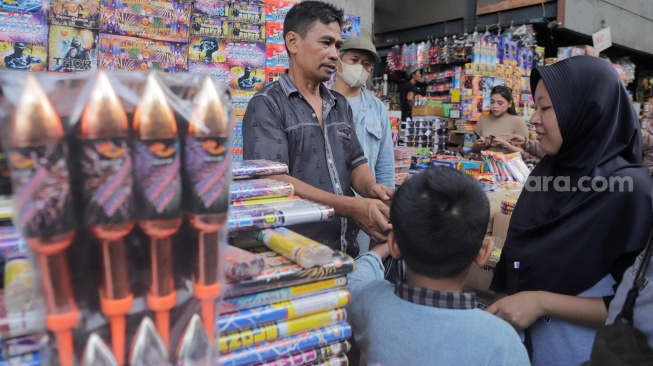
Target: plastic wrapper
[[281, 274], [272, 350], [286, 310], [276, 214], [314, 355], [241, 264], [260, 188], [234, 304], [121, 189], [258, 168], [241, 339], [298, 248]]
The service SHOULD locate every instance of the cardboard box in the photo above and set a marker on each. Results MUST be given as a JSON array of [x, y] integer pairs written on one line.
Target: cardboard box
[[479, 278], [500, 225], [428, 111]]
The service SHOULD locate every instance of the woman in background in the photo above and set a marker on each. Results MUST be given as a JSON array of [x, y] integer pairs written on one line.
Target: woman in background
[[501, 121]]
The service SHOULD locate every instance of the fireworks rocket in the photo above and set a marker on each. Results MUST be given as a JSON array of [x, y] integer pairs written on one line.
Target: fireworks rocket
[[207, 166], [37, 158], [107, 190], [158, 180]]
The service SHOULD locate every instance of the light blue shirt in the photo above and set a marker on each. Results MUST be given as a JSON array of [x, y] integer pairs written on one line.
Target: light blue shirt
[[392, 331], [375, 135]]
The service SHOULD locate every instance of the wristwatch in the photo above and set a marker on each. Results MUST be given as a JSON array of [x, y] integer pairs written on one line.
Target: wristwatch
[[505, 147], [527, 144]]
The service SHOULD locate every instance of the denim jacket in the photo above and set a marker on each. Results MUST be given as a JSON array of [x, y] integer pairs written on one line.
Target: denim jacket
[[375, 135]]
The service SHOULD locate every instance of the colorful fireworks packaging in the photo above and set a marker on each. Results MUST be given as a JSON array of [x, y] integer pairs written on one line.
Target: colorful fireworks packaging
[[258, 168], [276, 55], [121, 187], [72, 49], [251, 32], [132, 53], [276, 10], [260, 188], [23, 41], [275, 214], [76, 13], [166, 20]]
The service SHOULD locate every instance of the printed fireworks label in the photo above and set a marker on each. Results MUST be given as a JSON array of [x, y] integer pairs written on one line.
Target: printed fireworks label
[[207, 166], [247, 78], [247, 13], [276, 55], [107, 172], [41, 189], [274, 32], [276, 10], [234, 53], [214, 9], [27, 6], [72, 49], [158, 182], [23, 41], [240, 31], [77, 13], [202, 25]]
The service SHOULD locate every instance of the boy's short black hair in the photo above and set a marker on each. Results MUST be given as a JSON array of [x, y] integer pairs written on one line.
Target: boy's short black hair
[[301, 17], [439, 218]]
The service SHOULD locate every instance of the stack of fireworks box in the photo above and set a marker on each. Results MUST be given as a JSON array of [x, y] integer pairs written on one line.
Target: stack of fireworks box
[[22, 317], [265, 54], [291, 313]]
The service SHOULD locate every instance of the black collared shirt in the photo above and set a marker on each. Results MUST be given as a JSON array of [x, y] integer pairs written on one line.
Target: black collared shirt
[[437, 299], [280, 125]]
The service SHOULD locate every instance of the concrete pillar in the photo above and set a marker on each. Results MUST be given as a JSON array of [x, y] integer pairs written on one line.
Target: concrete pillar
[[362, 8]]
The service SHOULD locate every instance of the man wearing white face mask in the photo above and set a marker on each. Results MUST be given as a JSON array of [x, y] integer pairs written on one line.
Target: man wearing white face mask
[[357, 58]]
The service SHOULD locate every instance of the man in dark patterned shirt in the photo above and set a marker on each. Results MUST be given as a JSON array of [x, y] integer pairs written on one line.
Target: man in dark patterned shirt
[[298, 121]]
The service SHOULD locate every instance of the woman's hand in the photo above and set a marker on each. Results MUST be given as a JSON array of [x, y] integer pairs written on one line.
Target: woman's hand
[[520, 310], [499, 142], [517, 140]]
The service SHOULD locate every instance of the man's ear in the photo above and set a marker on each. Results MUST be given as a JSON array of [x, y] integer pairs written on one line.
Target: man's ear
[[292, 40], [395, 252], [485, 252]]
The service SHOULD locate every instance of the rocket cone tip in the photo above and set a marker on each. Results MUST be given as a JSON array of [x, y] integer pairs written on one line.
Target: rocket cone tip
[[195, 346], [96, 353], [154, 117], [148, 348], [104, 116], [210, 114]]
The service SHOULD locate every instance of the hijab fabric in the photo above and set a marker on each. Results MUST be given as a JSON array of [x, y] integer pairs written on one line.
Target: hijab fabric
[[566, 241]]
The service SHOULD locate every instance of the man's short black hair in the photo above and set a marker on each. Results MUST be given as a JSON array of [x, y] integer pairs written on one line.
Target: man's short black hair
[[439, 218], [301, 17]]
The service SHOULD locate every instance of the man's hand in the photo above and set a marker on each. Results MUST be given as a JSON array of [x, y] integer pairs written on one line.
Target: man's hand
[[381, 192], [520, 310], [373, 217]]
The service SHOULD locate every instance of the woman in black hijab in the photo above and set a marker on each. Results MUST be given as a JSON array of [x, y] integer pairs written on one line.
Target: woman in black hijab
[[575, 228]]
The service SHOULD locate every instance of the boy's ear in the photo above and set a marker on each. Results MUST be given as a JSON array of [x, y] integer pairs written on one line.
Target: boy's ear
[[485, 252], [393, 247]]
